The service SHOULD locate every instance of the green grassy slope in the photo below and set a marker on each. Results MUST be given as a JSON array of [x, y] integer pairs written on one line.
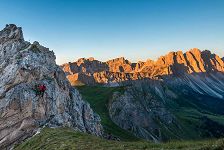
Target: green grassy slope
[[98, 97], [188, 113], [197, 121], [67, 139]]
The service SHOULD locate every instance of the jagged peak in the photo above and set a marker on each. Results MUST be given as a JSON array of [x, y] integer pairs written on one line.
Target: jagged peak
[[194, 50], [170, 56], [82, 60], [180, 52], [149, 61], [91, 58], [11, 31], [119, 60]]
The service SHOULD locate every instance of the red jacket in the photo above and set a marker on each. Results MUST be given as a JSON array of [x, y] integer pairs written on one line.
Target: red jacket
[[42, 88]]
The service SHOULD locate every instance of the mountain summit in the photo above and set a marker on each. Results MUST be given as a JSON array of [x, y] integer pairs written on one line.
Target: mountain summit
[[34, 92]]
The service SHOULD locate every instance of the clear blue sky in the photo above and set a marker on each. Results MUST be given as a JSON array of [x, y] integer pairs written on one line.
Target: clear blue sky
[[105, 29]]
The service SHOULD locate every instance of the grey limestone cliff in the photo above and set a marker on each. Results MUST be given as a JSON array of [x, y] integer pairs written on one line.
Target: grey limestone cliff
[[23, 66]]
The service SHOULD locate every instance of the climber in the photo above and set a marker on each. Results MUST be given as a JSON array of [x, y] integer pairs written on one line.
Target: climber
[[42, 89]]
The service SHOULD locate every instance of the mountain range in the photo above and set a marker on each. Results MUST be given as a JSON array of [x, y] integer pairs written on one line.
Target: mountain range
[[90, 71]]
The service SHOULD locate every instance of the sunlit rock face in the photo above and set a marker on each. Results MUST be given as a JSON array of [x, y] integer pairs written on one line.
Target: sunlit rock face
[[176, 63], [112, 72], [23, 66], [120, 65]]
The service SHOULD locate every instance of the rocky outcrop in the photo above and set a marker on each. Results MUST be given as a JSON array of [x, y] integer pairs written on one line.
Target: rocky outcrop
[[140, 111], [119, 70], [120, 65], [23, 110]]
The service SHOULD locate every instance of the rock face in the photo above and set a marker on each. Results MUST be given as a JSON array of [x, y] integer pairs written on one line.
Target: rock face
[[160, 110], [119, 70], [23, 66], [119, 65], [141, 112]]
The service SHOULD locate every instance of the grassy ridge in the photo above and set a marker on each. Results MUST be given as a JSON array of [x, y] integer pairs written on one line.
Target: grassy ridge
[[67, 139]]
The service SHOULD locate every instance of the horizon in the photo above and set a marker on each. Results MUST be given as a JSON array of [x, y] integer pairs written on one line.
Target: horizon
[[136, 30]]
